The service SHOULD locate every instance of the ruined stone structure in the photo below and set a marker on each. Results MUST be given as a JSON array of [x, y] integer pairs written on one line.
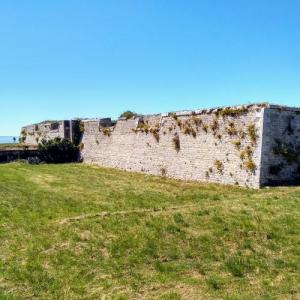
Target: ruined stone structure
[[253, 145], [33, 134]]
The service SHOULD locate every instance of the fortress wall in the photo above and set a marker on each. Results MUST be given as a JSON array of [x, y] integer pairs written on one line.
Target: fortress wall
[[215, 145], [281, 146], [8, 155], [33, 134]]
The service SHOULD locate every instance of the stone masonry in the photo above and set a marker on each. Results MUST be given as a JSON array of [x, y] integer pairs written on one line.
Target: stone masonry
[[253, 145], [33, 134]]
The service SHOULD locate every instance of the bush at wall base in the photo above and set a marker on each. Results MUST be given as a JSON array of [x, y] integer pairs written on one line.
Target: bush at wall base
[[58, 150]]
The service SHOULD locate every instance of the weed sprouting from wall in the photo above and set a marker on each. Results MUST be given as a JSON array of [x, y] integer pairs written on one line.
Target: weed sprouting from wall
[[237, 144], [188, 130], [219, 166], [178, 123], [246, 153], [214, 125], [163, 172], [232, 112], [176, 142], [251, 130], [173, 115], [196, 120], [249, 165], [205, 128], [146, 128], [81, 127], [230, 129], [155, 135], [242, 134], [106, 131]]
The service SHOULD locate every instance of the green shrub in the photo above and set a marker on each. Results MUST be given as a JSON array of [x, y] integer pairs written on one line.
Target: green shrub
[[58, 150], [128, 114]]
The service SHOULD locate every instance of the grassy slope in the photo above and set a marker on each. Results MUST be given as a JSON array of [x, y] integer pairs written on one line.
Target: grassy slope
[[160, 238]]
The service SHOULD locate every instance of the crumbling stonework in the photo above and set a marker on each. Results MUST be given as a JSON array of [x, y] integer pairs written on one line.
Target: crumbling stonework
[[253, 145]]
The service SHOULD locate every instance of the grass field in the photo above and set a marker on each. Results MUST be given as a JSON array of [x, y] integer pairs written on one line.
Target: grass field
[[83, 232]]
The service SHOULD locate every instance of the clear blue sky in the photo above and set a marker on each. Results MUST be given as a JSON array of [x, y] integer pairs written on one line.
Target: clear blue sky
[[61, 59]]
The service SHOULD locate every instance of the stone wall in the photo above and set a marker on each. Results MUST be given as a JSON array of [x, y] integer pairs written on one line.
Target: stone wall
[[218, 145], [33, 134], [281, 146], [253, 145], [8, 155]]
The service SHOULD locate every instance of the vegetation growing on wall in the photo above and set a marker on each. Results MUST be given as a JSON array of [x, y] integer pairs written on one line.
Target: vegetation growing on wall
[[146, 128], [232, 111], [237, 144], [81, 146], [219, 166], [176, 142], [249, 165], [251, 130], [214, 125], [189, 130], [196, 120], [230, 129], [78, 129], [163, 172], [205, 128], [286, 151], [106, 131], [173, 115]]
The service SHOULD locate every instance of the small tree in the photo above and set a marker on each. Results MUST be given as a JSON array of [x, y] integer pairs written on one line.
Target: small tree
[[58, 150], [128, 114]]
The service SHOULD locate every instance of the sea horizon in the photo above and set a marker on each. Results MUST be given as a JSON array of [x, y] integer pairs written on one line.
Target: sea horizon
[[7, 139]]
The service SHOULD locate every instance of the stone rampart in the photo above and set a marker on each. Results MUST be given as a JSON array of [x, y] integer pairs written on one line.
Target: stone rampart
[[253, 145], [217, 145]]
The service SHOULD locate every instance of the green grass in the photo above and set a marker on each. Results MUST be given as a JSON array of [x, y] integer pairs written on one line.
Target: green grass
[[83, 232]]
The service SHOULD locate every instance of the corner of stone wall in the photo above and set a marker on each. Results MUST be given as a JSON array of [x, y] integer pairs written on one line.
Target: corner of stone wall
[[262, 154]]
